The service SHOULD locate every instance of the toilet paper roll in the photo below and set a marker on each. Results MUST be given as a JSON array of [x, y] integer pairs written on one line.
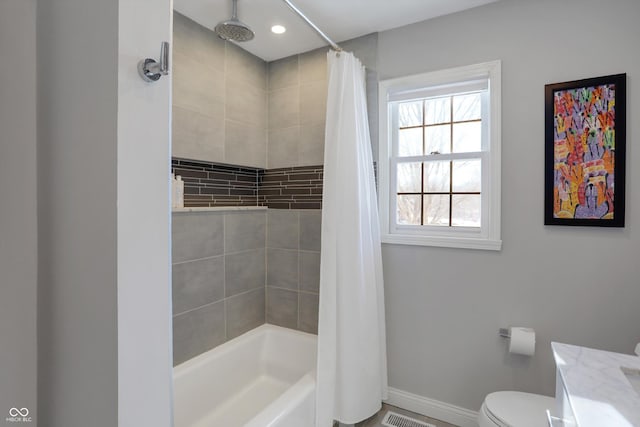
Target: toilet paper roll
[[522, 341]]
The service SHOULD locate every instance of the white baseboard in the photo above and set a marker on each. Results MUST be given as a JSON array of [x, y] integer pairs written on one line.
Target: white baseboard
[[432, 408]]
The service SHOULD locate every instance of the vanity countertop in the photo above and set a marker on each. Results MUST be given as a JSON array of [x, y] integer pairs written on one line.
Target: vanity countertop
[[599, 392]]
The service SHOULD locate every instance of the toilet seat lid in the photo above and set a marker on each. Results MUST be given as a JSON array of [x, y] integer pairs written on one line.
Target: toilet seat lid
[[518, 409]]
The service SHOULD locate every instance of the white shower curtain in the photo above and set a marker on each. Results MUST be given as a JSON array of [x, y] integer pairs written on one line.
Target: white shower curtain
[[352, 363]]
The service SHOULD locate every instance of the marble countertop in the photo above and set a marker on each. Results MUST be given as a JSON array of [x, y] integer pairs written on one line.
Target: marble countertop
[[599, 392]]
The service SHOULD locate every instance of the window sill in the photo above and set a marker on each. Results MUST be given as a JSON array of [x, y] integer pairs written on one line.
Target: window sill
[[443, 242]]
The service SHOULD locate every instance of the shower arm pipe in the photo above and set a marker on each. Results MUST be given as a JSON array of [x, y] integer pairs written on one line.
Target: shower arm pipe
[[234, 10], [333, 44]]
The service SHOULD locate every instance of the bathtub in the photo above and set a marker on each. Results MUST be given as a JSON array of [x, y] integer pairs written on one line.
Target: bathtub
[[263, 378]]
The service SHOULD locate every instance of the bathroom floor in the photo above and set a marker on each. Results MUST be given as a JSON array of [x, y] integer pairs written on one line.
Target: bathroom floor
[[376, 420]]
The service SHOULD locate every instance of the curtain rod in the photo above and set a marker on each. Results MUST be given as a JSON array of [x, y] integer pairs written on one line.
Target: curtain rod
[[333, 44]]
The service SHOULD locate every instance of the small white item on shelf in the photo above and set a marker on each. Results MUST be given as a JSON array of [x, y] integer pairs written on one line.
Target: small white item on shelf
[[173, 190], [179, 192]]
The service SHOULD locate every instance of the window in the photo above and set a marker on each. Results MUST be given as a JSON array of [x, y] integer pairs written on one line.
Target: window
[[440, 158]]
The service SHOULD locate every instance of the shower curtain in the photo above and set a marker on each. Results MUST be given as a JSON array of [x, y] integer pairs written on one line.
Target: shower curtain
[[352, 365]]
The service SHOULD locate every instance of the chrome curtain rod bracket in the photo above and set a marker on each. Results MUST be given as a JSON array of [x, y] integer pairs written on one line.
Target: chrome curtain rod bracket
[[333, 44]]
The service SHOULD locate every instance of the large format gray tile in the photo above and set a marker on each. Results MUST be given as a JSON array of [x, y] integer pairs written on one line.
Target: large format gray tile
[[284, 108], [245, 312], [245, 230], [309, 271], [200, 43], [282, 307], [245, 144], [197, 331], [308, 313], [313, 102], [197, 235], [196, 136], [246, 67], [282, 268], [310, 230], [313, 65], [282, 147], [282, 229], [196, 283], [283, 73], [245, 103], [244, 271], [197, 88], [311, 146]]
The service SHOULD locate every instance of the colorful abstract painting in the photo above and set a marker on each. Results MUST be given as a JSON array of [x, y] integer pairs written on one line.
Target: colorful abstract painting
[[585, 145]]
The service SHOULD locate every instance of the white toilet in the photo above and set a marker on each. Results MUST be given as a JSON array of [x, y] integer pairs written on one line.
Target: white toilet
[[515, 409]]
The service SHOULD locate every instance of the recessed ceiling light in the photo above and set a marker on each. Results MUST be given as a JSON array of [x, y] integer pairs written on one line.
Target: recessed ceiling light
[[278, 29]]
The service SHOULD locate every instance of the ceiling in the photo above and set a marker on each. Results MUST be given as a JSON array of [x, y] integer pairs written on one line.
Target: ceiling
[[339, 19]]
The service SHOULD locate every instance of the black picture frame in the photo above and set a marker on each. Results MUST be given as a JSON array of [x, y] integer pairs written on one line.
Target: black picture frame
[[585, 149]]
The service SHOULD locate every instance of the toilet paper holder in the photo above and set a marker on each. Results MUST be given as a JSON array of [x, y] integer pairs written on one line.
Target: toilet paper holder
[[504, 332]]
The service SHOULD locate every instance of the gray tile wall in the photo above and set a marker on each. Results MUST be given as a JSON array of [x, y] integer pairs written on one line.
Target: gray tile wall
[[219, 98], [293, 268], [235, 270], [297, 105], [219, 270], [297, 98], [230, 106]]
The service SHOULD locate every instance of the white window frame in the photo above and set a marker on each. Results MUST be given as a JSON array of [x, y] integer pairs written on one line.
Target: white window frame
[[443, 82]]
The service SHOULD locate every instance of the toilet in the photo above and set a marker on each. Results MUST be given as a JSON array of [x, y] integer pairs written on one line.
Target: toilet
[[515, 409]]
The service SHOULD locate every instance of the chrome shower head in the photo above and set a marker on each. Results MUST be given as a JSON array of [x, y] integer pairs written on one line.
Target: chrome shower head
[[233, 29]]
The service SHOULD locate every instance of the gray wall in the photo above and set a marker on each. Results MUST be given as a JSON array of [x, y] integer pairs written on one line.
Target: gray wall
[[18, 223], [298, 103], [297, 109], [77, 176], [219, 98], [231, 107], [572, 284], [234, 270], [293, 268], [218, 278], [103, 247]]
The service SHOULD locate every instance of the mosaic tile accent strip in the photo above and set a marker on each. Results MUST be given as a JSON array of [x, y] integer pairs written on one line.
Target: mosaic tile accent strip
[[291, 188], [212, 184], [209, 184]]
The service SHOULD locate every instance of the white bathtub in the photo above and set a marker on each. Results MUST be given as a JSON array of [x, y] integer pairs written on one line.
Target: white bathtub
[[264, 378]]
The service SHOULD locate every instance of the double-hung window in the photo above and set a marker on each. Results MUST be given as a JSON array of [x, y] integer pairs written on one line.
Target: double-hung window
[[440, 158]]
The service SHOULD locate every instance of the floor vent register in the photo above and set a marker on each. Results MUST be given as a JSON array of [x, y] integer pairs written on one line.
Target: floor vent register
[[393, 419]]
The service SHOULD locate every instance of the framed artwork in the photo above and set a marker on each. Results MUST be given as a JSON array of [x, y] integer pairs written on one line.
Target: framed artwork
[[585, 152]]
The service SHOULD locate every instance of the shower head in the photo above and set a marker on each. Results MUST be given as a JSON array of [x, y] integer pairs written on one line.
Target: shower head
[[233, 29]]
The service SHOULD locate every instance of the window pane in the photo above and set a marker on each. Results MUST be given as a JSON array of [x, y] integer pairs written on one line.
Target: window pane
[[438, 139], [466, 107], [436, 209], [409, 177], [466, 210], [408, 210], [436, 177], [410, 142], [410, 114], [467, 175], [467, 137], [437, 110]]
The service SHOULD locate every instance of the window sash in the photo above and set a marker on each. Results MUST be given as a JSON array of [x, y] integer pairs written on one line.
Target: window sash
[[416, 229], [435, 84]]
